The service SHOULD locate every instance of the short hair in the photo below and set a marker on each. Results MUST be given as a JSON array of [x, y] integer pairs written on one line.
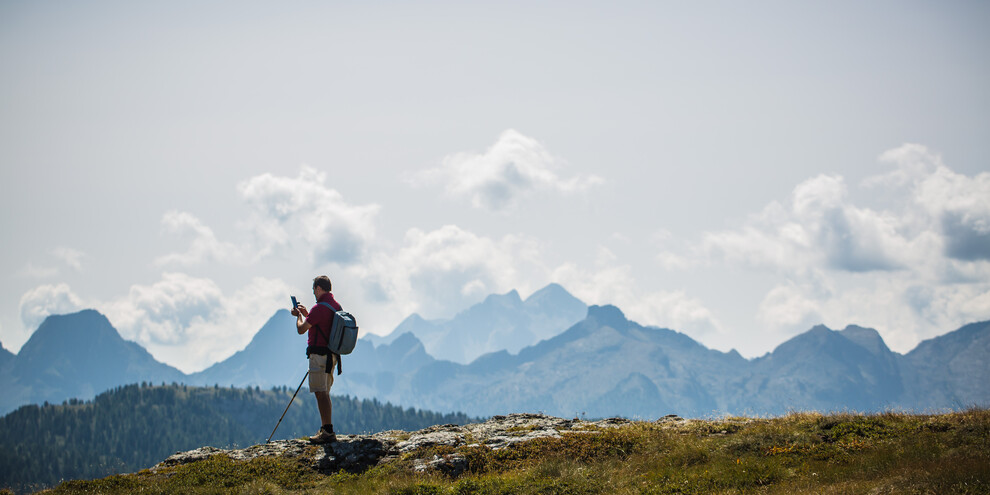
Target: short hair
[[322, 282]]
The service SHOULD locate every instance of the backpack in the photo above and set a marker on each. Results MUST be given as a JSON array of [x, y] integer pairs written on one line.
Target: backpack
[[343, 333]]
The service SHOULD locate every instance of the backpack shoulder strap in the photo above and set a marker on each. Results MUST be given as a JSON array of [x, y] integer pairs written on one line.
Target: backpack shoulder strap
[[333, 311], [327, 338]]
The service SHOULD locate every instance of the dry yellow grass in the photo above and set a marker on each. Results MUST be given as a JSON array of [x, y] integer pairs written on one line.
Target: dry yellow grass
[[798, 453]]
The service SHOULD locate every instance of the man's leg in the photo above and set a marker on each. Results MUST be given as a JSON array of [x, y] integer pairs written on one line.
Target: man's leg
[[319, 383], [326, 407]]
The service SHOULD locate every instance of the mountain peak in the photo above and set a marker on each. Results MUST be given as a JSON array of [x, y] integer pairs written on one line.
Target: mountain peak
[[509, 299], [413, 323], [263, 361], [608, 315], [413, 319], [89, 355], [500, 322], [405, 352], [551, 291], [273, 331], [811, 342], [553, 295], [866, 337], [954, 342], [72, 330], [551, 288], [406, 340]]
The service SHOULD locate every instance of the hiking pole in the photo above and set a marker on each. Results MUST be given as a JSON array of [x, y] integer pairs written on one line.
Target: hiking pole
[[287, 408]]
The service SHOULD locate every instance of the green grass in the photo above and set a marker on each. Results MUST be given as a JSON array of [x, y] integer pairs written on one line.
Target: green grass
[[798, 453]]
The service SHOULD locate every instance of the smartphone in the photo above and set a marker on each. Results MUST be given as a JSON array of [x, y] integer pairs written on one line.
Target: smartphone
[[294, 302]]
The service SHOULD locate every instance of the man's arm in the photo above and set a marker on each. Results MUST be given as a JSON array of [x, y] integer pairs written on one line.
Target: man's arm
[[302, 326]]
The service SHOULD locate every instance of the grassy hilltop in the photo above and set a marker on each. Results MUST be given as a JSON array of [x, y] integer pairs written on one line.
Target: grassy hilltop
[[798, 453], [132, 427]]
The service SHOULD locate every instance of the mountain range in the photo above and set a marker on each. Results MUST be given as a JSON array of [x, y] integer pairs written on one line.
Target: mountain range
[[76, 356], [607, 365], [501, 322], [549, 353]]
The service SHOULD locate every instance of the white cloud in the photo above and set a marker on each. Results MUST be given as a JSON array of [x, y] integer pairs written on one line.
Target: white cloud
[[284, 213], [913, 163], [163, 312], [514, 167], [69, 257], [439, 272], [817, 228], [904, 308], [42, 301], [761, 244], [953, 205], [913, 267], [615, 284], [962, 206], [204, 246], [678, 311], [787, 309], [305, 209], [672, 261], [190, 322], [666, 256], [185, 321]]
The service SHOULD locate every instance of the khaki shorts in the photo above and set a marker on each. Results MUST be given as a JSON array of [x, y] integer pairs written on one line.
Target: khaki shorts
[[319, 379]]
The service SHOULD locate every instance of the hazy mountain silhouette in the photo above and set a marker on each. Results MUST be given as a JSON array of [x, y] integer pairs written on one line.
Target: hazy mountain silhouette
[[276, 355], [608, 365], [5, 357], [500, 322], [951, 370], [604, 365], [824, 370], [577, 371], [377, 371], [77, 356]]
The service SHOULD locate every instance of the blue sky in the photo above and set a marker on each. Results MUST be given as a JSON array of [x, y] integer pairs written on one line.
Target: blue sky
[[737, 172]]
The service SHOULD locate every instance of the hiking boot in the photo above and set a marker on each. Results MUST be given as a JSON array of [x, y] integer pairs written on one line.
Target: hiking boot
[[323, 436]]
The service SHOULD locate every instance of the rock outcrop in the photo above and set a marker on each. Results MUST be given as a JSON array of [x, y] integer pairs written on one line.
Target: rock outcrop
[[355, 453]]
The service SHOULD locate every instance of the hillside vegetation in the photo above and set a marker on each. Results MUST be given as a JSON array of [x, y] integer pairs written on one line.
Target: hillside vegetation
[[797, 453], [136, 426]]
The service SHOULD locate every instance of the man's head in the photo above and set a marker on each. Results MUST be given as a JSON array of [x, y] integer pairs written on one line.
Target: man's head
[[322, 282]]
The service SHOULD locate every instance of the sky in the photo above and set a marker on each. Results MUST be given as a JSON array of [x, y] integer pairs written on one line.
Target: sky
[[736, 171]]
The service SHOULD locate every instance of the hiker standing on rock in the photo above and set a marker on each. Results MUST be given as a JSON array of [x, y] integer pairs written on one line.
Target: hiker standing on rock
[[317, 322]]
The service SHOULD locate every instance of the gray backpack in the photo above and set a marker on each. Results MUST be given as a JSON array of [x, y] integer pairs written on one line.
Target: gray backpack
[[343, 333]]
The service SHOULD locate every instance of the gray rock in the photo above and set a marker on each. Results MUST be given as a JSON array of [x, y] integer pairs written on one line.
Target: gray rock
[[356, 453], [450, 435]]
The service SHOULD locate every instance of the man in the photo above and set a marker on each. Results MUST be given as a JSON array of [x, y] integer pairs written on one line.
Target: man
[[317, 322]]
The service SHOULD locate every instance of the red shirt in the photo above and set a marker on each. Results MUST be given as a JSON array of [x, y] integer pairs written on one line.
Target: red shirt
[[320, 317]]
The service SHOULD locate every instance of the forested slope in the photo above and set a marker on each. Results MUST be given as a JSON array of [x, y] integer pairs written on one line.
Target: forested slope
[[133, 427]]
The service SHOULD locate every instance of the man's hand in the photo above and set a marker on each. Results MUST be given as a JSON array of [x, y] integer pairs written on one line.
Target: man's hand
[[300, 313]]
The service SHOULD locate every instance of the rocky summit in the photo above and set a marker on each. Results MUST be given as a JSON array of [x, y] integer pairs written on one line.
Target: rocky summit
[[802, 453], [355, 453]]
